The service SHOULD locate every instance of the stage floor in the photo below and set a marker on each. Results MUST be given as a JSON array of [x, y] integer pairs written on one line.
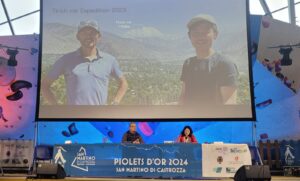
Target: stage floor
[[121, 179]]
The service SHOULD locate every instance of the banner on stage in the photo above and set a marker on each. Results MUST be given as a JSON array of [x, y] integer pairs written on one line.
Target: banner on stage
[[121, 160], [16, 153], [223, 160]]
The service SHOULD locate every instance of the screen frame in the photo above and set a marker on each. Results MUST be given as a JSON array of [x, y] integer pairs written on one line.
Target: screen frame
[[251, 87]]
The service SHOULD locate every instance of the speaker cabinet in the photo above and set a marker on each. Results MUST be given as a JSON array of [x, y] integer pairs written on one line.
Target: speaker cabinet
[[50, 171], [253, 173]]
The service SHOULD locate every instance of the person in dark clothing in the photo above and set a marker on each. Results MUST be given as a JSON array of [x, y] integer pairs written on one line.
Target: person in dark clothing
[[131, 136], [208, 79]]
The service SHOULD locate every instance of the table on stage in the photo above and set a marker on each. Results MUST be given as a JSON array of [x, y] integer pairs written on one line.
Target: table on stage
[[152, 160]]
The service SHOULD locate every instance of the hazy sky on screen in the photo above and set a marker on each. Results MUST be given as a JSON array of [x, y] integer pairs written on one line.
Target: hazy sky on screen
[[169, 16]]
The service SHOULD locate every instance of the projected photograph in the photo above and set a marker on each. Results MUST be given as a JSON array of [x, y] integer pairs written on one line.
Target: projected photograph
[[144, 59]]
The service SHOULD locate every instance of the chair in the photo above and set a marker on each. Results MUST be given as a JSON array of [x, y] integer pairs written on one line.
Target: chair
[[43, 153]]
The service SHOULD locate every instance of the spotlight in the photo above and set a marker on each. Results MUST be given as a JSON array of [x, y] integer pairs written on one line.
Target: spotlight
[[12, 57]]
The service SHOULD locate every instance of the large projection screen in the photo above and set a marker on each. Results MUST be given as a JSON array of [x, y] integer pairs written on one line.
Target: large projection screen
[[145, 59]]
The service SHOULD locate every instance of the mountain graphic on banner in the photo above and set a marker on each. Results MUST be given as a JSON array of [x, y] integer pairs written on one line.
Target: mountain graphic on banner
[[81, 153]]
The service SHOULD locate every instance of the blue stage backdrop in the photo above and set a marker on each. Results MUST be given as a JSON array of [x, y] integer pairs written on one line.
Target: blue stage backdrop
[[106, 132]]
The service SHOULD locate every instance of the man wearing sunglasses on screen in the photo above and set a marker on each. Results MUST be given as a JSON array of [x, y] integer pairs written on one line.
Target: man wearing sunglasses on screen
[[86, 71], [208, 78]]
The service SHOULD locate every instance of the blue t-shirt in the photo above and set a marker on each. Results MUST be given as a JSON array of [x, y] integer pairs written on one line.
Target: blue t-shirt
[[86, 81]]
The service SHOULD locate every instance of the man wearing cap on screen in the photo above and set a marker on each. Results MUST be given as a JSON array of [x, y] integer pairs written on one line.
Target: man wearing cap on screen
[[86, 71], [208, 78]]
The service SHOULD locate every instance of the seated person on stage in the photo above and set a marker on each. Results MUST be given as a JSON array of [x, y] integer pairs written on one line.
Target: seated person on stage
[[187, 136], [131, 136]]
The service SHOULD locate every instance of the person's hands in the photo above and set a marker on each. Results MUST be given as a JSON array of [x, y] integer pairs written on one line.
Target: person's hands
[[137, 141]]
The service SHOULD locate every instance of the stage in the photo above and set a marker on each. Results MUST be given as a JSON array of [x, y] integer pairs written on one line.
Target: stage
[[279, 178]]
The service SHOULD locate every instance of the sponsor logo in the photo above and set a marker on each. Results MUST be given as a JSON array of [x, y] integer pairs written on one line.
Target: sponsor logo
[[82, 161], [220, 159], [230, 170], [237, 150], [236, 161], [222, 150], [217, 169], [289, 156], [59, 157]]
